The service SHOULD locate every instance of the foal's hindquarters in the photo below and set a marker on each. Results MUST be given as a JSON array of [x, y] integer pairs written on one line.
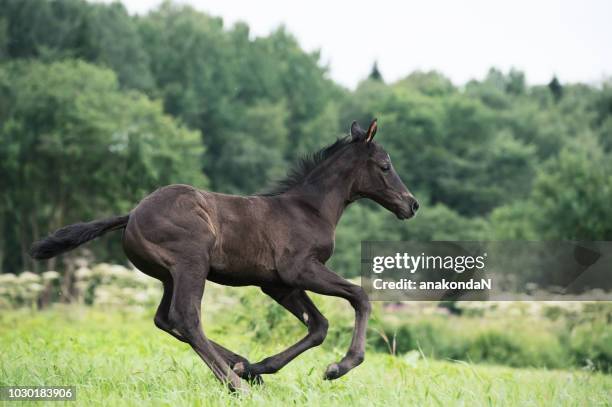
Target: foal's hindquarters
[[170, 236]]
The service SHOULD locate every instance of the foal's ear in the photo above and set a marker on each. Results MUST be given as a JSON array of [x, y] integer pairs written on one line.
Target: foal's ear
[[357, 133], [372, 130]]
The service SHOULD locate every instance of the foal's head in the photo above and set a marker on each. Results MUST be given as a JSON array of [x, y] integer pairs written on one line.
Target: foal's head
[[362, 163], [374, 175]]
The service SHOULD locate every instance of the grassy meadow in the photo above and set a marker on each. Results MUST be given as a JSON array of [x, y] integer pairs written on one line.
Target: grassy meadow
[[116, 356]]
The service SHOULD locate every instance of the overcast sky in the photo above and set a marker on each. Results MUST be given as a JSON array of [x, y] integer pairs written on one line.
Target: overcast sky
[[462, 39]]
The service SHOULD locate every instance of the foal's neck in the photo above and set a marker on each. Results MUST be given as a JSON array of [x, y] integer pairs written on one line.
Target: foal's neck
[[328, 193]]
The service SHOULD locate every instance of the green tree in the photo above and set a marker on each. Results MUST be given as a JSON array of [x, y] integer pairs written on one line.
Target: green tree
[[555, 88], [249, 96], [446, 145], [430, 83], [573, 193], [375, 74], [75, 147], [100, 33], [570, 199]]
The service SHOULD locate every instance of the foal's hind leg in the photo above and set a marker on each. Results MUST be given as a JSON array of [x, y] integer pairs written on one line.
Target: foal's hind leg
[[236, 362], [299, 304], [184, 316], [161, 315]]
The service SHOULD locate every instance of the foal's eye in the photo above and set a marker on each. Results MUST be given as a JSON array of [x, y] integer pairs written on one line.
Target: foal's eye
[[385, 167]]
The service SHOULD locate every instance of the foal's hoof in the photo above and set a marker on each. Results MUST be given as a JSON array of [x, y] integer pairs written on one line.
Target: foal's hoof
[[255, 379], [239, 389], [244, 372], [332, 372]]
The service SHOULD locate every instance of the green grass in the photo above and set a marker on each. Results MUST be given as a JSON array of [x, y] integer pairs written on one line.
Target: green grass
[[119, 358]]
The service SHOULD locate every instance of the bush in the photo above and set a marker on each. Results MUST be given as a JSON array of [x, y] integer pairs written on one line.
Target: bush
[[480, 340], [102, 285], [591, 345]]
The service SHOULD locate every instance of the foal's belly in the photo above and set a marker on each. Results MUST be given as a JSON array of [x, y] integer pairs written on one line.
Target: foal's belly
[[237, 278]]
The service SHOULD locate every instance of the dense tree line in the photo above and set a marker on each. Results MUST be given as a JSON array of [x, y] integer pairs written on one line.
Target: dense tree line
[[98, 108]]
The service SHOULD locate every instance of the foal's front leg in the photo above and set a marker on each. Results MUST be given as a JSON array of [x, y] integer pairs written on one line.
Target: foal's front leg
[[314, 276], [299, 304]]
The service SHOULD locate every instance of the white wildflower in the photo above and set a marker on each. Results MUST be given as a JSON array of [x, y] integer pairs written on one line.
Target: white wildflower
[[8, 278], [50, 275], [28, 277], [83, 273], [35, 288]]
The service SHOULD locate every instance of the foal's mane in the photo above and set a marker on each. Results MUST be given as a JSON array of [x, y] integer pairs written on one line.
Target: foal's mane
[[300, 170]]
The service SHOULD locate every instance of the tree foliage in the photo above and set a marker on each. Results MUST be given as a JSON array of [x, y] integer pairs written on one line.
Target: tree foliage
[[98, 108], [75, 147]]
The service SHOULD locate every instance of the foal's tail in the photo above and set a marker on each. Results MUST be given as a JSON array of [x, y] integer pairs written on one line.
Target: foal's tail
[[71, 236]]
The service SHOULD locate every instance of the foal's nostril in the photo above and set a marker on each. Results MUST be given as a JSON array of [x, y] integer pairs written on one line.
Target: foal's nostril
[[415, 206]]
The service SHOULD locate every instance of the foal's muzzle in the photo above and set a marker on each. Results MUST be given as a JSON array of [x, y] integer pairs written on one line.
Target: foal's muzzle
[[408, 207]]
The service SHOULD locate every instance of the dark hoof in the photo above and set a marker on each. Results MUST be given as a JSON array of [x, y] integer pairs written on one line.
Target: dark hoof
[[239, 389], [243, 370], [255, 379], [332, 372]]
